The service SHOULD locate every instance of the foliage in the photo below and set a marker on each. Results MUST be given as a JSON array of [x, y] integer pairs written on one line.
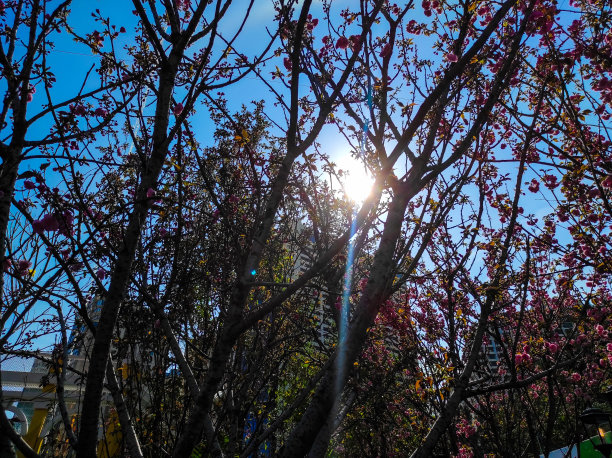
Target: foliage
[[198, 248]]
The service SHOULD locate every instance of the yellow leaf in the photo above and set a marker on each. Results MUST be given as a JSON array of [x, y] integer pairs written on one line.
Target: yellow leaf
[[49, 388]]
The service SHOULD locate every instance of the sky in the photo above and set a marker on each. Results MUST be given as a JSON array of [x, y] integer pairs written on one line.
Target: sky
[[72, 61]]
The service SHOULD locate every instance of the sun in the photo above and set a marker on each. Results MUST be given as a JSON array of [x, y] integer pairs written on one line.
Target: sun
[[357, 182]]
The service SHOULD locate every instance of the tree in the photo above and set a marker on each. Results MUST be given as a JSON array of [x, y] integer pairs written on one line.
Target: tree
[[206, 338]]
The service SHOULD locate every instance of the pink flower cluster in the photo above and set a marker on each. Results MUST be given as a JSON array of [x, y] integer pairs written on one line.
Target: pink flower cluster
[[31, 92], [23, 266], [182, 4], [354, 42], [520, 358], [534, 186], [54, 222], [428, 6], [96, 39]]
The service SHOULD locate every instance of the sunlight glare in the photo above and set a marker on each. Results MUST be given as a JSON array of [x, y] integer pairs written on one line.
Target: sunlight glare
[[357, 182]]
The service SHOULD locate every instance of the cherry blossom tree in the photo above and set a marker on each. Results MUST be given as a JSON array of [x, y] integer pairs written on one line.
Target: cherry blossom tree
[[217, 235]]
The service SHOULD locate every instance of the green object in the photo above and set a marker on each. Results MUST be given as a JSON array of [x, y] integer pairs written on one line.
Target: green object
[[587, 450]]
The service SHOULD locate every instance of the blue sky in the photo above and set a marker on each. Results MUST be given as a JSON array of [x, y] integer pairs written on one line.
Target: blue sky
[[71, 62]]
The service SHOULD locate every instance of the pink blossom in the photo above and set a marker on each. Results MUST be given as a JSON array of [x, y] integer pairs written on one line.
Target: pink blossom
[[465, 452], [338, 303], [38, 226], [101, 112], [31, 92], [79, 110], [578, 392], [452, 57], [150, 193], [609, 347], [355, 42], [178, 109], [537, 14], [48, 223], [101, 274], [29, 184], [182, 4], [97, 39], [593, 193], [386, 51], [576, 377], [23, 266], [342, 43], [526, 357], [287, 63], [534, 186], [550, 181], [563, 217], [65, 220], [412, 27]]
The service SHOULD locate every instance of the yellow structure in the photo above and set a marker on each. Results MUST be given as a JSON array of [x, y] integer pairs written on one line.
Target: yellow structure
[[32, 437], [110, 446]]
